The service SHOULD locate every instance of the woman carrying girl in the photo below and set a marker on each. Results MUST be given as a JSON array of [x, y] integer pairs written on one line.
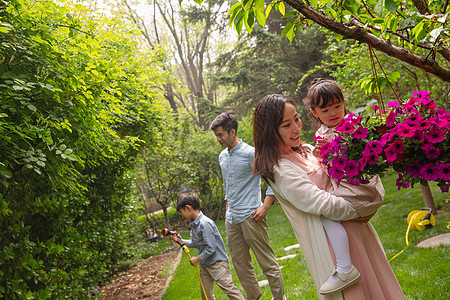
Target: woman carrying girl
[[300, 184]]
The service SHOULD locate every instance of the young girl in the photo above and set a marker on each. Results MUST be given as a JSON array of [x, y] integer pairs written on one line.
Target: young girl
[[300, 184], [326, 105]]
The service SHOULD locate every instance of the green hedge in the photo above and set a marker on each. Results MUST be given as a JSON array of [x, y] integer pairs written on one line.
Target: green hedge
[[74, 98]]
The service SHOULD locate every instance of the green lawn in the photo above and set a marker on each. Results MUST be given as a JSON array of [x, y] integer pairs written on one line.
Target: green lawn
[[423, 273]]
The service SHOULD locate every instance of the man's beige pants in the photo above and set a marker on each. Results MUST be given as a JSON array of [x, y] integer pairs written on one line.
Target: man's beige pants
[[254, 235]]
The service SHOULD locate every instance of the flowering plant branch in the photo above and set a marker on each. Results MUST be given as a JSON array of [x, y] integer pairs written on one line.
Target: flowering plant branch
[[412, 138]]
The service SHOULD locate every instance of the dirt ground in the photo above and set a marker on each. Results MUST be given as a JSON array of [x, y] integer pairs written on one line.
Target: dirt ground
[[142, 281]]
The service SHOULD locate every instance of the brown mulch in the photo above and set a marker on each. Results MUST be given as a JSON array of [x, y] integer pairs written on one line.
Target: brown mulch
[[142, 281]]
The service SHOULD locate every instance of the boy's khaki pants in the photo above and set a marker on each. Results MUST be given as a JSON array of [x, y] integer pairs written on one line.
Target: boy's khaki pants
[[219, 272]]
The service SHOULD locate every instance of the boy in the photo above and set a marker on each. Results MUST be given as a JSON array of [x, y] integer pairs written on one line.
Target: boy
[[212, 256]]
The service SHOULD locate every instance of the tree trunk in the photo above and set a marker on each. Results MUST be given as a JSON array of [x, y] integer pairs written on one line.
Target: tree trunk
[[428, 197]]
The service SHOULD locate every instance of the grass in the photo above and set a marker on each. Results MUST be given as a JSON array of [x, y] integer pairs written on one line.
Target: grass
[[423, 273]]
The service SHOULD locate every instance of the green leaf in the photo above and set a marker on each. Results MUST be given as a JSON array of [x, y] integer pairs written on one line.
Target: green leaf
[[287, 28], [351, 6], [6, 173], [259, 5], [238, 21], [268, 9], [261, 18], [291, 13], [234, 8], [291, 33], [246, 4], [59, 248], [420, 30], [68, 151], [391, 5], [281, 8], [234, 14], [72, 157], [249, 20]]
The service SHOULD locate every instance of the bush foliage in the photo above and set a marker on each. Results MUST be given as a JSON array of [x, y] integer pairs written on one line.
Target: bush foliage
[[76, 104]]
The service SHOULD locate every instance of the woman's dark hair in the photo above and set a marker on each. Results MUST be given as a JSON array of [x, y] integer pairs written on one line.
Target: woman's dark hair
[[321, 93], [188, 199], [267, 118], [227, 120]]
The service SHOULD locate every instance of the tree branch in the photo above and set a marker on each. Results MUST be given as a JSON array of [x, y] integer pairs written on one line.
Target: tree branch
[[364, 36], [422, 6]]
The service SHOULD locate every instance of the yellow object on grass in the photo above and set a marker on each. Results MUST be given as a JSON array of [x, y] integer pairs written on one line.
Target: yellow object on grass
[[418, 220]]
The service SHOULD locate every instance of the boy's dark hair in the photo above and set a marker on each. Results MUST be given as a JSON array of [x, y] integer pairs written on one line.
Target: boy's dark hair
[[227, 120], [188, 199]]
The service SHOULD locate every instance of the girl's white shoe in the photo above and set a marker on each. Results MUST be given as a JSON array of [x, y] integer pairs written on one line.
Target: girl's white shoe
[[345, 281]]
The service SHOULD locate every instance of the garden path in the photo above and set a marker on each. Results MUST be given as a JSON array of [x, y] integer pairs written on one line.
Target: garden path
[[265, 281]]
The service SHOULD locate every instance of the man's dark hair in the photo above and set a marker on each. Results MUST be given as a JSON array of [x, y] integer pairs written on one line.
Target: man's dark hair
[[227, 120], [188, 199]]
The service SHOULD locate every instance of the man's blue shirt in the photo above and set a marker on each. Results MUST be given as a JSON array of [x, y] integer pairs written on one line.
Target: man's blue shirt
[[206, 237], [242, 189]]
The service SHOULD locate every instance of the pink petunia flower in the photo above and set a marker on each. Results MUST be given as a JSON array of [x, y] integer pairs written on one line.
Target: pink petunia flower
[[439, 121], [414, 119], [393, 104], [386, 138], [445, 188], [430, 105], [410, 107], [444, 172], [424, 94], [398, 146], [413, 169], [400, 183], [317, 138], [339, 163], [375, 107], [353, 118], [393, 150], [390, 119], [405, 131], [429, 172], [336, 173], [325, 149], [345, 127], [413, 100], [351, 168], [435, 135], [370, 157], [374, 146], [441, 112], [424, 125], [419, 136], [355, 181], [360, 133], [432, 152], [363, 163]]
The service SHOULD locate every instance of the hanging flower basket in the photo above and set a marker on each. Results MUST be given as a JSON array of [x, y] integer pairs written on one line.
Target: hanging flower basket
[[412, 138]]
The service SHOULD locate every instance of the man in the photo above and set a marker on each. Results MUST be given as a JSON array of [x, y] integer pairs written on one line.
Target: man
[[245, 224]]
